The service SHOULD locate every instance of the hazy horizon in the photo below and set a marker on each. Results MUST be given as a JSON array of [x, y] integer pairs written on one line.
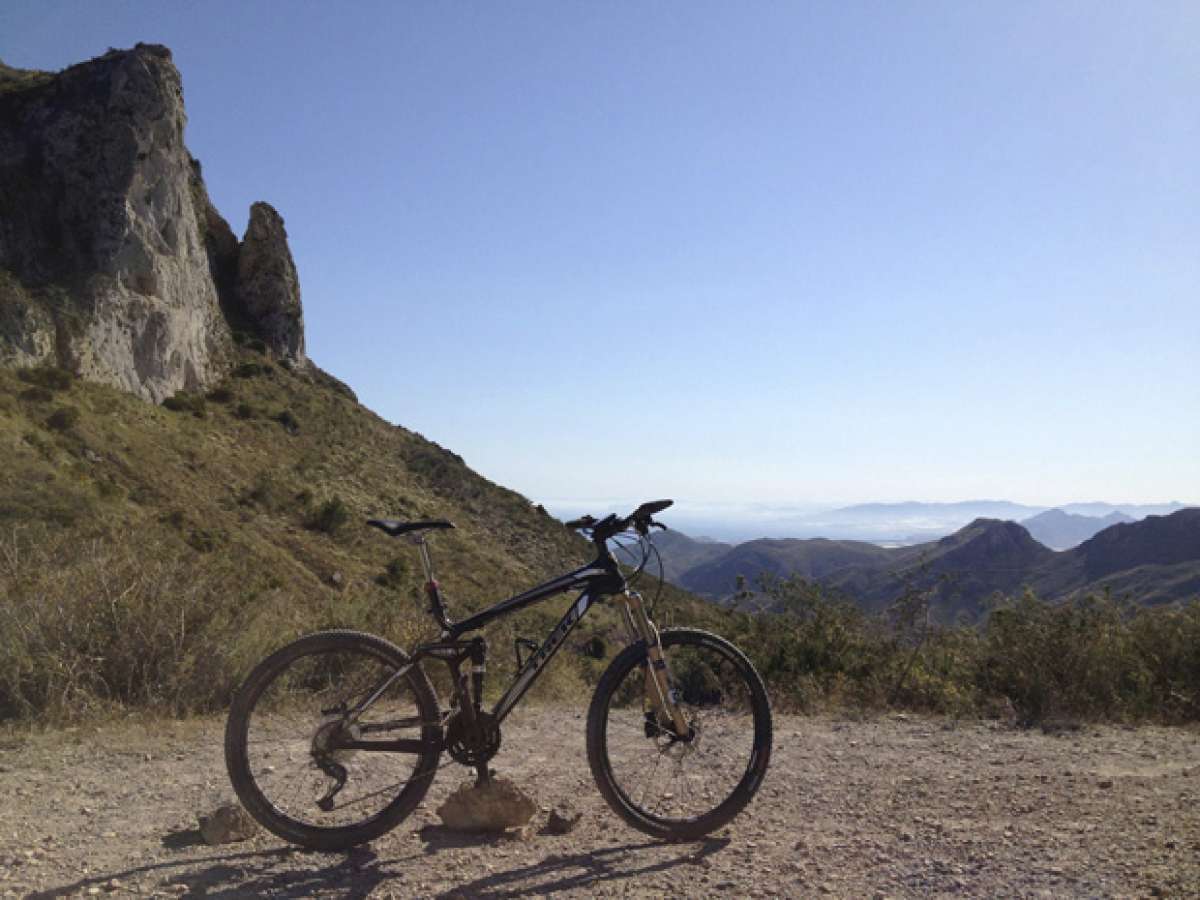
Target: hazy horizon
[[738, 522], [852, 251]]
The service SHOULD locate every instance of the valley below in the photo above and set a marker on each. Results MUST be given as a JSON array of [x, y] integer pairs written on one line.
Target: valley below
[[892, 806]]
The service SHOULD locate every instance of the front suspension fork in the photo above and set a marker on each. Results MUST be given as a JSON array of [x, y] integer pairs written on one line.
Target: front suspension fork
[[658, 681]]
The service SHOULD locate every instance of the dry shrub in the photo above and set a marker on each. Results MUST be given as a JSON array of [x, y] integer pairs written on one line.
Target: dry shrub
[[1093, 658], [92, 625]]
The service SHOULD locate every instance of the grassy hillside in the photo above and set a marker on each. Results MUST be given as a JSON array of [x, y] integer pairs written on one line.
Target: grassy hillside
[[149, 556], [157, 552]]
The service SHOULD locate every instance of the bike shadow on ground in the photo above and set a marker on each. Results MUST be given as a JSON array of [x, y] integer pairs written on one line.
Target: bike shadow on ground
[[282, 872], [585, 870], [291, 872]]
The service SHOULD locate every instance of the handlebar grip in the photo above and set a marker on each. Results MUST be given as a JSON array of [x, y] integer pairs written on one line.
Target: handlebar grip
[[581, 522]]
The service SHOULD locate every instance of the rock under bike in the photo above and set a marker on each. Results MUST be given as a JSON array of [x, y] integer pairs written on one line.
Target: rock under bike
[[336, 737]]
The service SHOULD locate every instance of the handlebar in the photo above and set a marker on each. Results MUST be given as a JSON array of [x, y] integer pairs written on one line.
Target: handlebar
[[641, 520]]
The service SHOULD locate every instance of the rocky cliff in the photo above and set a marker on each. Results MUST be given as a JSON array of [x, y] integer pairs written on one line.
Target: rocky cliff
[[113, 262]]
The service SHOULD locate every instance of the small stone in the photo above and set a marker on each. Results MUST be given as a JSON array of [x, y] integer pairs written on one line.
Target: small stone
[[1105, 784], [336, 579], [227, 824], [562, 820]]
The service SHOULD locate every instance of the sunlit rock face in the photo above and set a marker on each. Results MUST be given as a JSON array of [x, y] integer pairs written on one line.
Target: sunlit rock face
[[113, 262]]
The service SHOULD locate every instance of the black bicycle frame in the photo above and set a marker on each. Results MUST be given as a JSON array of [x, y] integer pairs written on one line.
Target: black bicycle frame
[[599, 578]]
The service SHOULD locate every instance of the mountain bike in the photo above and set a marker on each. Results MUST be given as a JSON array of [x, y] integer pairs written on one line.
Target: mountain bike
[[335, 738]]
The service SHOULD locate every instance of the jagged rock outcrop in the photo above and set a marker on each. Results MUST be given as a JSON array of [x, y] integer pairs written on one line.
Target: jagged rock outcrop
[[268, 288], [113, 261]]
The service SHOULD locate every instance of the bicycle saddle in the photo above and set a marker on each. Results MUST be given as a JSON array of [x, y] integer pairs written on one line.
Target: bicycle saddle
[[396, 528]]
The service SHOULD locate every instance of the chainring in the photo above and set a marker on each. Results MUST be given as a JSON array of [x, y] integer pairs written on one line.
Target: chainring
[[472, 745]]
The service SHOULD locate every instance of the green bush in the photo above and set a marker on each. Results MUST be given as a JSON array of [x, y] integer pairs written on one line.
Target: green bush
[[1071, 660], [63, 419], [206, 540], [267, 492], [245, 411], [329, 517], [288, 420], [51, 378], [187, 402], [1090, 659], [249, 370], [37, 395], [258, 346], [1167, 639], [395, 575], [220, 395]]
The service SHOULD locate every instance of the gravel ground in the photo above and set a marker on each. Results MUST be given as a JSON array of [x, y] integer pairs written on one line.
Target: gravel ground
[[890, 807]]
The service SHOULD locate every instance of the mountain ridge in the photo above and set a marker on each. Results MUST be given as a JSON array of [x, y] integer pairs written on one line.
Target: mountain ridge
[[962, 570]]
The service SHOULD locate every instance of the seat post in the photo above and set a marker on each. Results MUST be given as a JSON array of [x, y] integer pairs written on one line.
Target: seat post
[[426, 559], [437, 606]]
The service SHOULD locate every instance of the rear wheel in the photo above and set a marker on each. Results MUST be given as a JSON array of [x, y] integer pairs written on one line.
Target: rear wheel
[[288, 730], [672, 786]]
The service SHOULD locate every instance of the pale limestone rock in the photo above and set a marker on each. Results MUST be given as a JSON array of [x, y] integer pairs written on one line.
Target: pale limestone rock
[[104, 235], [26, 329], [495, 806], [227, 824]]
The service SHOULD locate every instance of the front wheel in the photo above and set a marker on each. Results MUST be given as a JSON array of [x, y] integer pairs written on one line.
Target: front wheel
[[672, 786]]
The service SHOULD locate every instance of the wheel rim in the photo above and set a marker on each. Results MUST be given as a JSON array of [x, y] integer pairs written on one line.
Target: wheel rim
[[676, 781], [296, 724]]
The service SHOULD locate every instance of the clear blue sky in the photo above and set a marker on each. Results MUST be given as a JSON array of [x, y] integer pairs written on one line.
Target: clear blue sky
[[791, 252]]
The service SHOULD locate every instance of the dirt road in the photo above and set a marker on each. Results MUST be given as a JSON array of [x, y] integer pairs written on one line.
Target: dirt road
[[888, 807]]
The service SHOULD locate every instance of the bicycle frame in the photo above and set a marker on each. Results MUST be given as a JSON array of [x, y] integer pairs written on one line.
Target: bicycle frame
[[599, 578], [594, 581]]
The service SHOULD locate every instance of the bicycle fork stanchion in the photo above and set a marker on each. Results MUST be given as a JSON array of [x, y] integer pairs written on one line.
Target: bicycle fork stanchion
[[658, 684]]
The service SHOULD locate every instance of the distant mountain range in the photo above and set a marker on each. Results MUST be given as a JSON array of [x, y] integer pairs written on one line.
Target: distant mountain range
[[1152, 561], [890, 523]]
